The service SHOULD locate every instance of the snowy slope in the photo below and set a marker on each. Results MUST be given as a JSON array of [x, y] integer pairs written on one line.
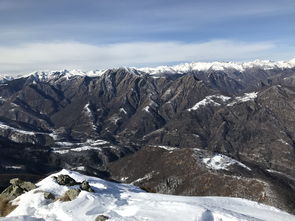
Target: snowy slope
[[127, 202]]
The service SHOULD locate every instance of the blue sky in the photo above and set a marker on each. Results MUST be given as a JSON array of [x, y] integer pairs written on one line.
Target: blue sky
[[98, 34]]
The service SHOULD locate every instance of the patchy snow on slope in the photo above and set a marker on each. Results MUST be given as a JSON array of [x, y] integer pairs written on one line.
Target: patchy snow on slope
[[87, 109], [283, 142], [169, 148], [147, 109], [245, 98], [215, 100], [6, 127], [2, 99], [67, 147], [146, 177], [123, 110], [127, 202], [222, 162], [15, 167]]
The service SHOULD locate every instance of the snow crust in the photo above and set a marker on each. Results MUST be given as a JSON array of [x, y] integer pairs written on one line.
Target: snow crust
[[127, 202], [222, 162]]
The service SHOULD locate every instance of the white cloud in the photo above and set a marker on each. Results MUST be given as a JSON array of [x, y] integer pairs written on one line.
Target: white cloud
[[74, 55]]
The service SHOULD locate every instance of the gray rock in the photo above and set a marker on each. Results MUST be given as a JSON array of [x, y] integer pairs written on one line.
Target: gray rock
[[65, 180], [49, 196], [72, 194], [85, 186], [17, 188], [101, 218], [15, 181], [12, 192]]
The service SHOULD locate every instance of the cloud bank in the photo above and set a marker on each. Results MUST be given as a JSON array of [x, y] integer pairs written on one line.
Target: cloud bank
[[74, 55]]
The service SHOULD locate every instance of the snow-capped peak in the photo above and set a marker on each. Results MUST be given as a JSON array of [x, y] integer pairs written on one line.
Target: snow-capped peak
[[4, 78], [67, 74], [176, 69], [292, 62], [220, 66]]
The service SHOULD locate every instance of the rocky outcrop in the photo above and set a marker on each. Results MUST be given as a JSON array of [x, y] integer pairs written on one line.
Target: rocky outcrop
[[17, 188], [85, 186], [65, 180]]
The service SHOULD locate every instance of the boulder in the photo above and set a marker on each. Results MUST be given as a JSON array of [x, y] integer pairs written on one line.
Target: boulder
[[71, 194], [12, 192], [27, 186], [49, 196], [85, 186], [65, 180], [17, 188], [101, 218]]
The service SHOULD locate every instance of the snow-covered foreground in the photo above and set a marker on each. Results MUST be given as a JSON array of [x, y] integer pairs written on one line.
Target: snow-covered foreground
[[127, 202]]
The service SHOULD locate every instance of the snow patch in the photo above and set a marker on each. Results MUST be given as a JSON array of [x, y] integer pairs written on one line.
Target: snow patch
[[283, 142], [146, 177], [147, 109], [13, 167], [6, 127], [215, 100], [167, 148], [222, 162], [123, 110], [66, 147], [245, 98]]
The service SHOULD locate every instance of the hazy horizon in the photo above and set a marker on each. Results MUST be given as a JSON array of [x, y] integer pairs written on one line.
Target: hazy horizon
[[87, 35]]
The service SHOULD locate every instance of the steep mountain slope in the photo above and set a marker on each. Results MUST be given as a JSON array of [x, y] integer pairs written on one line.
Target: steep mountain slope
[[191, 171]]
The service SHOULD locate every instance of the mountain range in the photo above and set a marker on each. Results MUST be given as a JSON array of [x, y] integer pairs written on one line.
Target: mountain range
[[221, 128]]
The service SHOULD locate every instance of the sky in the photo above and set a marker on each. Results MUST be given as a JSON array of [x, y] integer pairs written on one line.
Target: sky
[[100, 34]]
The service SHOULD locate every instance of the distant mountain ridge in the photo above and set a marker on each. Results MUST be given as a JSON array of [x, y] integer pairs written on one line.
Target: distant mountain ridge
[[175, 69]]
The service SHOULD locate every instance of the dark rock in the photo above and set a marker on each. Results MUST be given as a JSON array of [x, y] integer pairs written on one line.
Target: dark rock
[[101, 218], [49, 196], [65, 180], [85, 186]]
